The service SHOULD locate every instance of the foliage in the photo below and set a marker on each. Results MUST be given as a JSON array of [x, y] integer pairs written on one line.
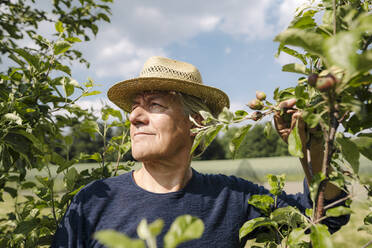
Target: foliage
[[183, 229], [255, 144], [335, 100], [37, 107]]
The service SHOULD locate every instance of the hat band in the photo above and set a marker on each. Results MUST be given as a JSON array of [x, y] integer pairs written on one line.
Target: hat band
[[166, 72]]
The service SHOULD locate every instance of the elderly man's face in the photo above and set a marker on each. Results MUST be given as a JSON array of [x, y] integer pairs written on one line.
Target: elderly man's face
[[160, 129]]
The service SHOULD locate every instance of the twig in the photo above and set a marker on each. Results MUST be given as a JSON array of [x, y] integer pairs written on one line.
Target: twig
[[336, 202], [368, 244], [52, 196], [367, 43], [343, 117], [334, 17]]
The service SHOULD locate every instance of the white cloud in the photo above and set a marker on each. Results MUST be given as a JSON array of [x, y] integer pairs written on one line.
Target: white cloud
[[285, 58], [140, 29], [227, 50], [288, 8], [208, 23]]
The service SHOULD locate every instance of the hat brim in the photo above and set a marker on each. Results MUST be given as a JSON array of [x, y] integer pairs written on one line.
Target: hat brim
[[123, 92]]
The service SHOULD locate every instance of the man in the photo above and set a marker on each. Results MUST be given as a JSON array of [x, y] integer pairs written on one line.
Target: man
[[160, 103]]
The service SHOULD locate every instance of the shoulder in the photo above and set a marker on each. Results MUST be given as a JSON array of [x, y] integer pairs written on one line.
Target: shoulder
[[231, 182], [104, 187]]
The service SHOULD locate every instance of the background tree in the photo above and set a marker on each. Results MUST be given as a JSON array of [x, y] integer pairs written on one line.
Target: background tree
[[255, 144], [37, 96]]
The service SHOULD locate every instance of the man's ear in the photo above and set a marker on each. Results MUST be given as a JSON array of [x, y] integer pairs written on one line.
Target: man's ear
[[196, 120]]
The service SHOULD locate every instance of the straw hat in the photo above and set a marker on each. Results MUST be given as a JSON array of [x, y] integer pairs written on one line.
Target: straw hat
[[163, 74]]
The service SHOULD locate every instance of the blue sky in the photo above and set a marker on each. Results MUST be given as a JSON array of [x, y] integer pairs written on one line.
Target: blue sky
[[231, 43]]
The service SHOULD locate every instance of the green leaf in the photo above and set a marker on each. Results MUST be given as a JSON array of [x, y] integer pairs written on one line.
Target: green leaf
[[350, 152], [92, 93], [310, 41], [293, 53], [89, 126], [296, 236], [13, 117], [197, 140], [25, 227], [107, 111], [309, 212], [68, 88], [73, 39], [11, 191], [276, 183], [226, 116], [33, 60], [341, 50], [114, 239], [240, 113], [314, 185], [296, 68], [311, 119], [59, 27], [294, 143], [262, 202], [61, 46], [364, 145], [94, 29], [210, 134], [70, 178], [64, 68], [320, 236], [289, 216], [149, 232], [338, 211], [250, 225], [156, 227], [306, 21], [184, 228], [238, 138], [104, 17], [368, 219]]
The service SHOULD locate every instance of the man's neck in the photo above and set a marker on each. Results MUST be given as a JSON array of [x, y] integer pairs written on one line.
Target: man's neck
[[158, 177]]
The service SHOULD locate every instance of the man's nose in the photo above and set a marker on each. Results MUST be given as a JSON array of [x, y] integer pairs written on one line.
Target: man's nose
[[138, 116]]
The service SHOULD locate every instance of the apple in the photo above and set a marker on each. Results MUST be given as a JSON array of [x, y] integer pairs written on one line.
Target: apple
[[311, 80], [260, 95], [255, 104], [326, 83]]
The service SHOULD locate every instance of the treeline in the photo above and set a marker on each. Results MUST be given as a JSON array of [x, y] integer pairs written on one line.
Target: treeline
[[255, 144]]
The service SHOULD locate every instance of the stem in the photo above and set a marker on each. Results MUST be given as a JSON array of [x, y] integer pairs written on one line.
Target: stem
[[104, 147], [52, 196], [328, 152], [367, 43], [336, 202], [366, 245], [119, 152], [334, 17]]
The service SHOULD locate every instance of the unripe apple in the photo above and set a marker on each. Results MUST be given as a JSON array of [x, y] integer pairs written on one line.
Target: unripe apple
[[260, 95], [256, 115], [324, 84], [255, 104], [311, 80]]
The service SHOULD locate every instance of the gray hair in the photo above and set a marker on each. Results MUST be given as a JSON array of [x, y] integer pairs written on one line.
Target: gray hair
[[193, 105]]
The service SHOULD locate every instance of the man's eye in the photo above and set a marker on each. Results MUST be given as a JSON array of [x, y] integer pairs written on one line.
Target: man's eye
[[155, 104]]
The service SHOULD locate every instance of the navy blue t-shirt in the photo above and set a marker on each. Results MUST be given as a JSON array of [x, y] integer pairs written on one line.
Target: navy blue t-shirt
[[119, 203]]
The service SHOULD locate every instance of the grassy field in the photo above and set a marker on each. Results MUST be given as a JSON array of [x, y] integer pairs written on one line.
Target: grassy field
[[255, 170]]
